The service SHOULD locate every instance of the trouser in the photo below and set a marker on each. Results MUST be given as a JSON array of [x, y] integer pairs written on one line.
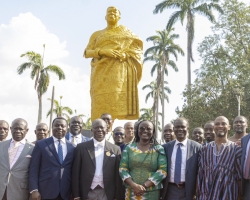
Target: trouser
[[5, 195], [97, 194], [57, 198], [175, 193], [246, 190]]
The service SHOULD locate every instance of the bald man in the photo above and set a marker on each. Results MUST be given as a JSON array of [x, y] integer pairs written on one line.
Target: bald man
[[15, 157], [129, 132], [95, 172], [219, 166], [240, 128], [42, 132], [4, 130], [198, 135], [168, 132]]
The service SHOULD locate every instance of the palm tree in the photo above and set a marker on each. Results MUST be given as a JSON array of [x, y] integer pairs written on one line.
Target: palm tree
[[164, 46], [155, 94], [148, 115], [88, 124], [188, 9], [59, 110], [40, 73]]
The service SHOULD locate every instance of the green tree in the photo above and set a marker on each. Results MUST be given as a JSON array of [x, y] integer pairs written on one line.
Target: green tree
[[147, 114], [88, 124], [187, 10], [164, 46], [225, 66], [156, 94], [59, 110], [41, 75]]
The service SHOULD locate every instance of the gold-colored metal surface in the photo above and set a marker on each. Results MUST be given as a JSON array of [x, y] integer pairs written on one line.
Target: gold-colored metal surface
[[116, 69]]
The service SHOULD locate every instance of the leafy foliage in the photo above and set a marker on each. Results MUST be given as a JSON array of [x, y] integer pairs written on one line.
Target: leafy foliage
[[225, 68]]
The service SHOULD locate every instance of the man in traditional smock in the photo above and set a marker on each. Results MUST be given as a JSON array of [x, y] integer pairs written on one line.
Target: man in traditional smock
[[219, 175], [116, 69]]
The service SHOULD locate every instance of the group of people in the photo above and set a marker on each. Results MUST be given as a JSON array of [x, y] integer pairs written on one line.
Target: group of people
[[126, 163]]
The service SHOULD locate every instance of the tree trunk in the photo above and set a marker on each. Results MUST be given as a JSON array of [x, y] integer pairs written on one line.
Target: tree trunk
[[188, 59], [39, 120], [157, 114], [162, 98]]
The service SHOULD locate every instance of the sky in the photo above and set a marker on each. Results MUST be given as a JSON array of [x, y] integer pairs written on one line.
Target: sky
[[64, 26]]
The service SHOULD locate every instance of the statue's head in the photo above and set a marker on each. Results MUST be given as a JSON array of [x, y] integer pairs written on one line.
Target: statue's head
[[113, 15]]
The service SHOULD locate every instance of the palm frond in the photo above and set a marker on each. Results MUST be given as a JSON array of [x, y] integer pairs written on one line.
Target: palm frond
[[57, 70]]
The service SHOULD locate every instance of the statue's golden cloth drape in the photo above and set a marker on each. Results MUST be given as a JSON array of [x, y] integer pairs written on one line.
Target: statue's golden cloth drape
[[113, 84]]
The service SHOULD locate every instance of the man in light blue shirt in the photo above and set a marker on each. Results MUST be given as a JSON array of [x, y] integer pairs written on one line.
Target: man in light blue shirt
[[75, 127]]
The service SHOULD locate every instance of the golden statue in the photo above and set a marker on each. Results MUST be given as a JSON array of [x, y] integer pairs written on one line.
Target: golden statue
[[116, 69]]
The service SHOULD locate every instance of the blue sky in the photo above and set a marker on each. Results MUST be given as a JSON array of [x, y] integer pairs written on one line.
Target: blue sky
[[65, 27]]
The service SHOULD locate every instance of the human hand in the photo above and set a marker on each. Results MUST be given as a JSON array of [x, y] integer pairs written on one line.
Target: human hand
[[238, 142], [35, 195], [110, 53], [138, 189]]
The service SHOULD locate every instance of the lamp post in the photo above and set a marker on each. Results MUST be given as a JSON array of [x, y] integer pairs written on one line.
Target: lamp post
[[238, 93]]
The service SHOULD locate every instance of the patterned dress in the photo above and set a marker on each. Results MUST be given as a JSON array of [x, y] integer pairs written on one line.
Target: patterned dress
[[142, 166], [219, 172]]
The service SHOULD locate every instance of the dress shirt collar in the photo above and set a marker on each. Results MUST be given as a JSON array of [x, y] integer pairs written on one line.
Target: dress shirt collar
[[184, 142], [96, 143], [77, 136], [56, 140], [23, 141]]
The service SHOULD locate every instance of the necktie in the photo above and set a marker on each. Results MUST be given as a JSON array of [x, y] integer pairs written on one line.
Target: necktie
[[177, 171], [12, 152], [247, 166], [60, 151], [73, 141]]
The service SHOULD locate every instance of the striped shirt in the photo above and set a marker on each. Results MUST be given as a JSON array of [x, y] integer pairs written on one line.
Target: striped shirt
[[219, 172]]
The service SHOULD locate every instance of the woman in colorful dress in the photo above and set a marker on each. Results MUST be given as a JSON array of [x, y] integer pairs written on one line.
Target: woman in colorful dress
[[143, 165]]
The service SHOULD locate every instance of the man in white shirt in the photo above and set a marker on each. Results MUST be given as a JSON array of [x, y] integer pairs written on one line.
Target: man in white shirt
[[50, 167], [182, 158], [15, 157], [95, 171], [108, 119], [75, 127]]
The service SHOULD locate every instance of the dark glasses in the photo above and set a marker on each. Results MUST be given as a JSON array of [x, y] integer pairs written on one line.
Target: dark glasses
[[119, 133]]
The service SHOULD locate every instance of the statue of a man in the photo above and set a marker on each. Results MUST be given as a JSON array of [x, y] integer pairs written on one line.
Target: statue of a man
[[116, 69]]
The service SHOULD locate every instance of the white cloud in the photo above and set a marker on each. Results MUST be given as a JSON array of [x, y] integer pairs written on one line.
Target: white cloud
[[18, 96]]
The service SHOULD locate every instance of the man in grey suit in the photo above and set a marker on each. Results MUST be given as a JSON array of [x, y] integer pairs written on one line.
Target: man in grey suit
[[15, 157], [182, 158], [245, 166]]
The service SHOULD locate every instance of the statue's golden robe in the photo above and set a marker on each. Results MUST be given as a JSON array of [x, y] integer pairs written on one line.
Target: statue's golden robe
[[113, 84]]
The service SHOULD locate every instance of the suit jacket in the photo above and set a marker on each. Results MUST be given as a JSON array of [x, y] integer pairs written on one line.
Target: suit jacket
[[84, 139], [193, 149], [47, 174], [16, 178], [84, 166], [244, 142]]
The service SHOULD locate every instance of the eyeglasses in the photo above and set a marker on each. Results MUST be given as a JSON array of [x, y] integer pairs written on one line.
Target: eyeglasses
[[145, 128], [119, 133]]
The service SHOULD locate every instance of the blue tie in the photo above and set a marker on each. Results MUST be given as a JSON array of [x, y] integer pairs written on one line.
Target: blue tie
[[177, 171], [60, 151]]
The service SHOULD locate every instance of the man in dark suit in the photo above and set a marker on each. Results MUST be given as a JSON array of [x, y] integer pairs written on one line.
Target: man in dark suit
[[50, 166], [182, 158], [95, 171], [75, 127], [245, 166]]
